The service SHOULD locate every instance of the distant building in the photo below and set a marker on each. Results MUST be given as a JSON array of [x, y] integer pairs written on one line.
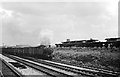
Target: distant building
[[22, 46], [112, 39], [76, 43]]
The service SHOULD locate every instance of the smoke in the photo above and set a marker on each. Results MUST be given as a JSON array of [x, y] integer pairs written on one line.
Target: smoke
[[46, 37]]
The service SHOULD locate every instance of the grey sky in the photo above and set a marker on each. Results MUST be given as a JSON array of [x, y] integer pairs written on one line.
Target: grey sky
[[37, 22]]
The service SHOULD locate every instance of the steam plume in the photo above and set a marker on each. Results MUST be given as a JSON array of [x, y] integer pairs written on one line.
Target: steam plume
[[46, 37]]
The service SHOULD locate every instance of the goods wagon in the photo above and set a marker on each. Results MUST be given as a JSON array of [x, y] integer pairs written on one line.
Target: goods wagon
[[36, 52]]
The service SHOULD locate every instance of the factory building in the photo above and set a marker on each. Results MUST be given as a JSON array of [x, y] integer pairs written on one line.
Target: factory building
[[76, 43], [112, 39], [110, 42]]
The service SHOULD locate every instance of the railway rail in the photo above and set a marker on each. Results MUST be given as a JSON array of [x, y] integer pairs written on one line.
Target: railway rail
[[1, 74], [84, 71], [49, 70], [8, 71], [76, 71], [101, 69]]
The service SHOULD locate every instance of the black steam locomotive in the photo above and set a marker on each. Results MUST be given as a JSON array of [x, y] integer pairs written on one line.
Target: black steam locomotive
[[41, 52]]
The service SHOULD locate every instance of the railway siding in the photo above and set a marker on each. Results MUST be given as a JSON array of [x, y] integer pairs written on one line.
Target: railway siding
[[27, 71]]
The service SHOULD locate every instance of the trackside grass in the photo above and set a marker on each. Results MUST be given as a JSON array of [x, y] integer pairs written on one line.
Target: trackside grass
[[95, 57]]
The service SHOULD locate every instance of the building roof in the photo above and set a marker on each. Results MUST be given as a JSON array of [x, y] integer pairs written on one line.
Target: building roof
[[112, 38], [80, 41]]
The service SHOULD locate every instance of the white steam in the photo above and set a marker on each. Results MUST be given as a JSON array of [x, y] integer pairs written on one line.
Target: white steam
[[46, 37]]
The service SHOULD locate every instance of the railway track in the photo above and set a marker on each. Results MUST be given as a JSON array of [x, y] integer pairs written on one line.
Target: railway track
[[48, 69], [100, 69], [83, 71], [8, 71], [76, 71]]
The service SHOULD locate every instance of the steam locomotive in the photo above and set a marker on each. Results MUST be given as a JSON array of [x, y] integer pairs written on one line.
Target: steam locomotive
[[41, 51]]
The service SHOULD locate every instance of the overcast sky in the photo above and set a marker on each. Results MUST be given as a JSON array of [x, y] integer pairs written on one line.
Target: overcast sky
[[52, 22]]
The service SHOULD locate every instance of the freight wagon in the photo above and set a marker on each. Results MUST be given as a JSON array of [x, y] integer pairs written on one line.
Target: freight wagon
[[41, 52]]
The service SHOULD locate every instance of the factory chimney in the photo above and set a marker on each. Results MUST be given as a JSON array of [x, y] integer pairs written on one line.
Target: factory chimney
[[68, 40]]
